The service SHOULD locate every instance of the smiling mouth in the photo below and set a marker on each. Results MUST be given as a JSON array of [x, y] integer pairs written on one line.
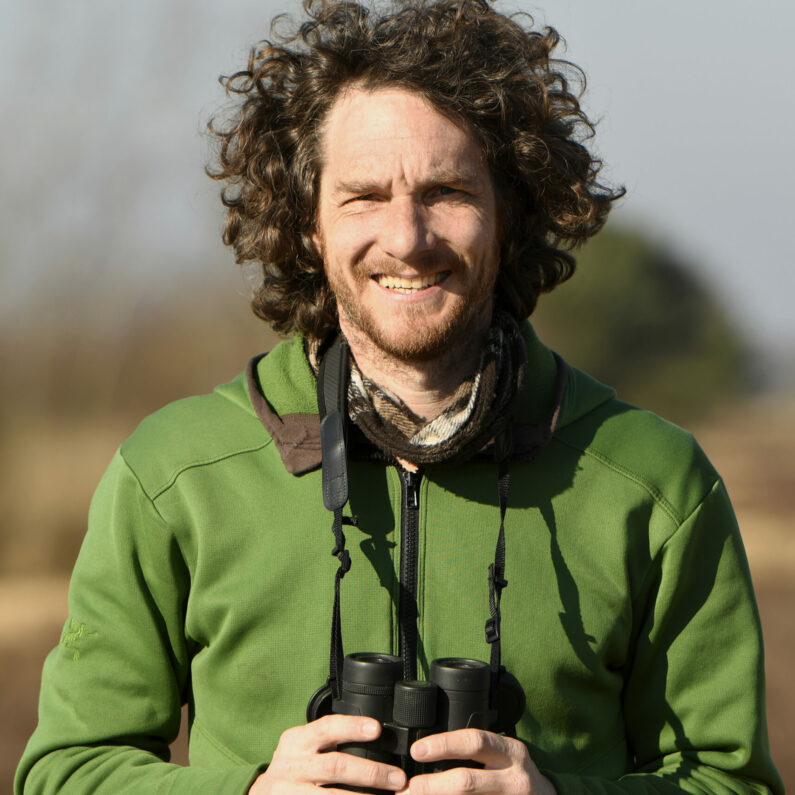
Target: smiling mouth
[[406, 286]]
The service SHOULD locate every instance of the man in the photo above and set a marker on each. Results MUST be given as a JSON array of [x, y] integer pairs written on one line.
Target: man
[[409, 182]]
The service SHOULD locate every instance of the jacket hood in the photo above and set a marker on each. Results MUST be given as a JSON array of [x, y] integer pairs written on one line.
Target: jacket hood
[[280, 388]]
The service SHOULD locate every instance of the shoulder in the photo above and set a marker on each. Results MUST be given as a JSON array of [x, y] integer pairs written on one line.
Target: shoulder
[[191, 432], [207, 429], [631, 444]]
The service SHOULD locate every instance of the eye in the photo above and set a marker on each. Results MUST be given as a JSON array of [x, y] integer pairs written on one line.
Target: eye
[[442, 192], [364, 197]]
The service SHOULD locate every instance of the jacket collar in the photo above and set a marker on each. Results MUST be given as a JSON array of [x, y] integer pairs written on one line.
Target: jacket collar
[[282, 390]]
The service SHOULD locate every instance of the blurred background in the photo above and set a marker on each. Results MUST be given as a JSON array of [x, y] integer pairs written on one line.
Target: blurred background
[[117, 294]]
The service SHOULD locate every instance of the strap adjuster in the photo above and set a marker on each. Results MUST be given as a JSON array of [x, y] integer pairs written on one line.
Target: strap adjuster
[[497, 580], [492, 630]]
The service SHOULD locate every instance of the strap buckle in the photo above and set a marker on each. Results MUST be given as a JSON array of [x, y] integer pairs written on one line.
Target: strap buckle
[[492, 630]]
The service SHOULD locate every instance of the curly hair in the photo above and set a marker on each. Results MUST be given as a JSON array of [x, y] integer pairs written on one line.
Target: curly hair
[[472, 63]]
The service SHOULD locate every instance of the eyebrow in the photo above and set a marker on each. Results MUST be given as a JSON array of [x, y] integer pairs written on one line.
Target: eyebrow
[[443, 176]]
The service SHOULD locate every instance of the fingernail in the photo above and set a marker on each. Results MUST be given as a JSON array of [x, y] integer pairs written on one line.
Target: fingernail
[[395, 779], [370, 729], [419, 750]]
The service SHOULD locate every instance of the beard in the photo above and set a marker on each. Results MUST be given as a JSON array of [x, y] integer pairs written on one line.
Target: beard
[[421, 338]]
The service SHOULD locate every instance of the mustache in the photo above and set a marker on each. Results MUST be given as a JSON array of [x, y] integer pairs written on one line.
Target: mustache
[[433, 262]]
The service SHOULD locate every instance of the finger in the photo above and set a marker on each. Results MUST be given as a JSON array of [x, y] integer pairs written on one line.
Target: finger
[[330, 730], [490, 749], [335, 767], [459, 779]]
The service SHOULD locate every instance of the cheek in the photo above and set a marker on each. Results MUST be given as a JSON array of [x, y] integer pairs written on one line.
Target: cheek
[[352, 238], [474, 229], [484, 250]]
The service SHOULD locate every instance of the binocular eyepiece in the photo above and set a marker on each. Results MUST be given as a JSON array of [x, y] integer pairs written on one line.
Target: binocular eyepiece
[[458, 695]]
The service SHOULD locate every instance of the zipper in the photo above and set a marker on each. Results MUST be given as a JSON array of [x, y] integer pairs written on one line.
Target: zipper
[[409, 552]]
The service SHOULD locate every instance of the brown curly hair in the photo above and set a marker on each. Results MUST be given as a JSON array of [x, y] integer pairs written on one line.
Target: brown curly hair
[[469, 61]]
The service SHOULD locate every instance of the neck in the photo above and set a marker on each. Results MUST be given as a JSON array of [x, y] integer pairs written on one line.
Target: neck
[[426, 387]]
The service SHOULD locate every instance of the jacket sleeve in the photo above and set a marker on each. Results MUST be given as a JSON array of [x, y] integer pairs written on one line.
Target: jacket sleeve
[[112, 690], [694, 700]]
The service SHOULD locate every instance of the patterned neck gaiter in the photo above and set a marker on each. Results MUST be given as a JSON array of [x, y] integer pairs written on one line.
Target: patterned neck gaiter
[[479, 411]]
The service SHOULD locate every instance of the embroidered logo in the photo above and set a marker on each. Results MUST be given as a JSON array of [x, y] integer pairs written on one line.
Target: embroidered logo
[[74, 634]]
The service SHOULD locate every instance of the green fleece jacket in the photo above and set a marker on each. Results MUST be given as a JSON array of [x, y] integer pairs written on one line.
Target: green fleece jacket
[[205, 578]]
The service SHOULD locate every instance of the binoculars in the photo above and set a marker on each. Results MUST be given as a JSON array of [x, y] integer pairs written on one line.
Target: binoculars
[[458, 695]]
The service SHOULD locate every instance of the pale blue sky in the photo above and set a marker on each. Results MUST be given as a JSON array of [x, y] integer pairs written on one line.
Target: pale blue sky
[[103, 103]]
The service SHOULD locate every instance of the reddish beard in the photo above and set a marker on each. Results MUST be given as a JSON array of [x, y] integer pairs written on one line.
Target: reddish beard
[[463, 322]]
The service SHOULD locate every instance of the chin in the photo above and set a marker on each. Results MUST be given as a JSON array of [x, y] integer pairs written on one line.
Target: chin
[[415, 350], [415, 335], [423, 342]]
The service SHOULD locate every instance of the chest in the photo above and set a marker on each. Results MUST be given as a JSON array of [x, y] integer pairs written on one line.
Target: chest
[[259, 613]]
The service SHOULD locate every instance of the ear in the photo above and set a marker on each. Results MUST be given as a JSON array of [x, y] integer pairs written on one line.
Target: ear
[[317, 241]]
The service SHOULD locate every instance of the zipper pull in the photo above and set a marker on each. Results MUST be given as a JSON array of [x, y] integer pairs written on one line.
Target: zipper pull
[[411, 482], [414, 495]]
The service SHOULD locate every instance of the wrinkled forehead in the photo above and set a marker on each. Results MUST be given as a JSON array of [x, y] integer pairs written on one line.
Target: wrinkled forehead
[[368, 132]]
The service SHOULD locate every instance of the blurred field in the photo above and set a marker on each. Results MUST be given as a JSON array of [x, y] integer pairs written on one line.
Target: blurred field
[[752, 444]]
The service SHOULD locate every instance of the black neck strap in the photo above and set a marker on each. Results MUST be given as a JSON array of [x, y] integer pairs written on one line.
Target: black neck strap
[[332, 386], [497, 581], [503, 446]]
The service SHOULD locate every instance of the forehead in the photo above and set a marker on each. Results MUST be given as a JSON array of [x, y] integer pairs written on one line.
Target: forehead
[[370, 131]]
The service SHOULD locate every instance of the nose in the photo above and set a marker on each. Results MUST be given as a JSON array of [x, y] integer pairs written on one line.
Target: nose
[[404, 231]]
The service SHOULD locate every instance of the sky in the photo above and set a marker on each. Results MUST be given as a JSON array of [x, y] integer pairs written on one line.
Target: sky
[[102, 142]]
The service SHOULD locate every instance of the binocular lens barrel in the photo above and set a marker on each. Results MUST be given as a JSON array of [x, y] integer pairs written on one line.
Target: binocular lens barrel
[[463, 691], [368, 683]]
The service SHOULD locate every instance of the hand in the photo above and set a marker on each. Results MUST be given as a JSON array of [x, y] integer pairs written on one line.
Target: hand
[[305, 758], [508, 770]]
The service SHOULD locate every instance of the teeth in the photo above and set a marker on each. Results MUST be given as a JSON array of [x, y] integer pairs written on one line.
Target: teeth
[[409, 285]]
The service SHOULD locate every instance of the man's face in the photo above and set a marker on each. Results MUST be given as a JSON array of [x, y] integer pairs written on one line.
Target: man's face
[[407, 224]]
